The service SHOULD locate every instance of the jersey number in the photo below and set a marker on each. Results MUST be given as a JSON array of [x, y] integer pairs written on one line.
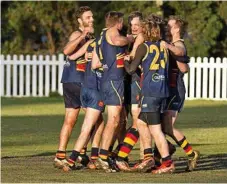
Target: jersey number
[[155, 65]]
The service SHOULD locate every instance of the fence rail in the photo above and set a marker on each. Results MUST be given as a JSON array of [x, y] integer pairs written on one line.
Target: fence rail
[[40, 75]]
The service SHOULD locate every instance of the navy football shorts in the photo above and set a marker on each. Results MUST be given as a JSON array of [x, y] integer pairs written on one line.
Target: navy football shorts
[[91, 98], [71, 94], [113, 92]]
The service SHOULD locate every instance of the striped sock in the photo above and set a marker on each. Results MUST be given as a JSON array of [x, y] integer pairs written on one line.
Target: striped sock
[[61, 155], [94, 153], [186, 146], [148, 153], [74, 155], [83, 151], [167, 161], [130, 140], [103, 154]]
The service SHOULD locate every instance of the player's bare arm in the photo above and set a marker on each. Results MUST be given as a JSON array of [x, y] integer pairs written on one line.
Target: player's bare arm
[[183, 67], [116, 39], [81, 51], [95, 63], [178, 49], [74, 40], [138, 41]]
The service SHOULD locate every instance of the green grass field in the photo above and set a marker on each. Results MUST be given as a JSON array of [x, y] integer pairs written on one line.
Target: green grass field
[[29, 137]]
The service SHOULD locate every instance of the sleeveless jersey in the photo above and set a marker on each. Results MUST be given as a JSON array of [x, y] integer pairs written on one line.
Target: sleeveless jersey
[[154, 79], [112, 58]]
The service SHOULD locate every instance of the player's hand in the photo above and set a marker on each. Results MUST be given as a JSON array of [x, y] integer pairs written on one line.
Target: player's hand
[[131, 39], [127, 58], [164, 44], [87, 30]]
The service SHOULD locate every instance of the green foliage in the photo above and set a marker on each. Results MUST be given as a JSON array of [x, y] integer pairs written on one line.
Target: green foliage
[[204, 26], [43, 27]]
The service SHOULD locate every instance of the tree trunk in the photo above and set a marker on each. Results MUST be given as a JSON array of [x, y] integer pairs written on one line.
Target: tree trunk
[[51, 44]]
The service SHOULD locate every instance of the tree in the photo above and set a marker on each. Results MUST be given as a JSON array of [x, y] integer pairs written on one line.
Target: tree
[[204, 25], [39, 27]]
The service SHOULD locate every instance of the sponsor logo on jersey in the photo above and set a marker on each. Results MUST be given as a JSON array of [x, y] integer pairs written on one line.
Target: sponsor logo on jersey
[[156, 77]]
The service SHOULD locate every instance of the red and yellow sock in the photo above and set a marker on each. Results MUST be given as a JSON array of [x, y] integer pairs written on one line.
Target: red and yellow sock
[[103, 154], [61, 155], [148, 153], [130, 140], [186, 146], [94, 153]]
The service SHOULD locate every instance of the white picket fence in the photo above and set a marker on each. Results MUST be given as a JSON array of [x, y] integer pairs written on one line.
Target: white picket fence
[[38, 76]]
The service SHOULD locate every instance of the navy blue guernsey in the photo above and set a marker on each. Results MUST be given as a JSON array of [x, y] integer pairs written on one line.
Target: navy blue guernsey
[[176, 81], [92, 77], [74, 69], [112, 58], [155, 71]]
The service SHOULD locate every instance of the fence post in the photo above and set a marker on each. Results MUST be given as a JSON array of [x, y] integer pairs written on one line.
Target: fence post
[[47, 75], [198, 78], [2, 65], [34, 75], [8, 76], [40, 75], [218, 79], [205, 78], [192, 79], [211, 78], [15, 76], [60, 70], [53, 74], [21, 78], [224, 79], [27, 83]]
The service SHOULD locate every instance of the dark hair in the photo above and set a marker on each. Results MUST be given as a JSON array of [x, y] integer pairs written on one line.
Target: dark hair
[[181, 23], [81, 10], [112, 18], [131, 17]]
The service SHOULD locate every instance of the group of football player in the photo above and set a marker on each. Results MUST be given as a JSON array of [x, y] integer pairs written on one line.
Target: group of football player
[[139, 73]]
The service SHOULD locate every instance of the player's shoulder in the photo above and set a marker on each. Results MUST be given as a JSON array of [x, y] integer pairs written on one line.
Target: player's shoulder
[[74, 35]]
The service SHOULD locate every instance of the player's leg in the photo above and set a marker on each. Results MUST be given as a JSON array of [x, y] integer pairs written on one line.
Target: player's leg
[[145, 137], [90, 99], [132, 134], [71, 93], [112, 95], [170, 118], [96, 139]]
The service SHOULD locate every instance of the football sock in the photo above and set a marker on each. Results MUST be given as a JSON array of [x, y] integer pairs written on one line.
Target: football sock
[[61, 155], [103, 154], [74, 155], [94, 153], [130, 140], [167, 161], [148, 153], [111, 148], [186, 146]]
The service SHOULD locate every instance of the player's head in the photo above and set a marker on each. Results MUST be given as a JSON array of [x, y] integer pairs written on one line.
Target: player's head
[[177, 25], [161, 22], [114, 18], [135, 22], [152, 31], [84, 16]]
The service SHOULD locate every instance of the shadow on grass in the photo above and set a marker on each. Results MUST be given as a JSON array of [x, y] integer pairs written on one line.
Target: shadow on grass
[[205, 163]]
